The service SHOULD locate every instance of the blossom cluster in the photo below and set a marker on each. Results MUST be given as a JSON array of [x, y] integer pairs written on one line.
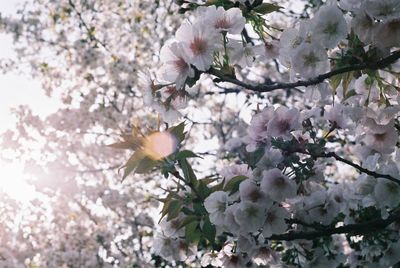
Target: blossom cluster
[[307, 173], [287, 183]]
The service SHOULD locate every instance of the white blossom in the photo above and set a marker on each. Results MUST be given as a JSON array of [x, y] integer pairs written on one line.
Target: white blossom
[[277, 186], [216, 204], [310, 60], [200, 43]]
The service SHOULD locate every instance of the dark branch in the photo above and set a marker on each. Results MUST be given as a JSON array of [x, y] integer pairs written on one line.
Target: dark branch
[[360, 168], [354, 165], [352, 229], [313, 81]]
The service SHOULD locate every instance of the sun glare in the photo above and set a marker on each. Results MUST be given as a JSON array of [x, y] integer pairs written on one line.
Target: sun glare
[[14, 182]]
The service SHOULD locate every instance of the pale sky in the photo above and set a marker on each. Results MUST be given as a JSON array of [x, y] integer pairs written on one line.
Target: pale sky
[[18, 89]]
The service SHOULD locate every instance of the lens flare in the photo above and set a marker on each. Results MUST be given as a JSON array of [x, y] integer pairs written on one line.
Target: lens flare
[[159, 145], [13, 182]]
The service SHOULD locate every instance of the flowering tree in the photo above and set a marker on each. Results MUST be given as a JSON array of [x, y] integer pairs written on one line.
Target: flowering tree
[[277, 137]]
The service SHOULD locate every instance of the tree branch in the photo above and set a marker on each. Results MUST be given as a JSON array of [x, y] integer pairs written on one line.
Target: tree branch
[[353, 229], [313, 81], [354, 165], [360, 168], [92, 37]]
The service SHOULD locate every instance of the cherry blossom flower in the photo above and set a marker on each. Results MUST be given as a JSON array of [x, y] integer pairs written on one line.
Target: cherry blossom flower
[[211, 258], [250, 216], [337, 115], [392, 255], [199, 42], [172, 228], [381, 138], [233, 261], [176, 66], [257, 130], [310, 60], [250, 191], [241, 54], [382, 9], [264, 255], [230, 222], [329, 26], [267, 50], [231, 20], [283, 122], [364, 26], [246, 243], [320, 208], [387, 34], [277, 186], [387, 193], [351, 5], [275, 221], [228, 173], [216, 204]]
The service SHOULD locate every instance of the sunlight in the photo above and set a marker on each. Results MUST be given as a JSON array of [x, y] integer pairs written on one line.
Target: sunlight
[[14, 183]]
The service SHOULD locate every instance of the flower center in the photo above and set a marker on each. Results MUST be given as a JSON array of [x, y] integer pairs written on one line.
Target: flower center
[[310, 59], [284, 125], [380, 136], [198, 46], [180, 65], [252, 212], [331, 29], [271, 217], [279, 182], [255, 195], [221, 207], [222, 23]]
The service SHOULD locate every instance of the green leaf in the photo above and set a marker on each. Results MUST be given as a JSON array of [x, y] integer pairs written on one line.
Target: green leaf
[[132, 163], [335, 82], [347, 77], [233, 185], [165, 208], [349, 94], [128, 142], [266, 8], [146, 165], [174, 208], [199, 209], [187, 220], [202, 189], [209, 230], [178, 131], [192, 232], [185, 154], [253, 158], [218, 187], [188, 172]]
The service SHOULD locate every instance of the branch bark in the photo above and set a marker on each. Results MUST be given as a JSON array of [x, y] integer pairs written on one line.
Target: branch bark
[[385, 62], [354, 229], [360, 168], [354, 165]]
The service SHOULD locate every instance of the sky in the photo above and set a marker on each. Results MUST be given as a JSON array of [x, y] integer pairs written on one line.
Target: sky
[[17, 89]]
